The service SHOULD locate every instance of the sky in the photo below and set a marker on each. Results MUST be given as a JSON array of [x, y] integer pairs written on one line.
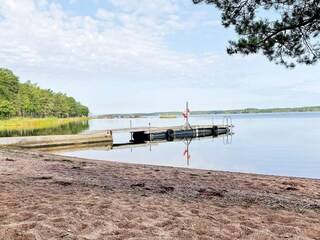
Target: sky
[[128, 56]]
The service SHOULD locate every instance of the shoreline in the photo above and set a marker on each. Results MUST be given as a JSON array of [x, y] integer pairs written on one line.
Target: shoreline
[[37, 123], [46, 196]]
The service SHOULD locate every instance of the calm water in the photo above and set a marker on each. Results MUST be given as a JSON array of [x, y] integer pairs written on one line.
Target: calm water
[[68, 128], [277, 144]]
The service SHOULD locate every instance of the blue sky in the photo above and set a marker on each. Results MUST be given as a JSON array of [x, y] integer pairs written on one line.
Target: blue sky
[[143, 56]]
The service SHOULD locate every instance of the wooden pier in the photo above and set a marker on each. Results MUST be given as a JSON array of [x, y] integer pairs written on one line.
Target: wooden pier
[[58, 140], [103, 137], [107, 146], [173, 132], [159, 129]]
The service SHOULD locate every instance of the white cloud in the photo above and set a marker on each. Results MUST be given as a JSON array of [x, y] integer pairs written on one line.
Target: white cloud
[[42, 3], [127, 44], [147, 7], [103, 14], [115, 42]]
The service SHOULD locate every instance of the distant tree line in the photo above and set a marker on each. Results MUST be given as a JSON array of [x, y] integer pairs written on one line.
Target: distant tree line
[[271, 110], [236, 111], [29, 100]]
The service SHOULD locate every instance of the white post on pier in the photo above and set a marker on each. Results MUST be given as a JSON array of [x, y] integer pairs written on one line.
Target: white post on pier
[[187, 112], [131, 134], [186, 116], [150, 137]]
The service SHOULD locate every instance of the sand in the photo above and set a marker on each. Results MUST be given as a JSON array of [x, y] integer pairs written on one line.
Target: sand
[[44, 196]]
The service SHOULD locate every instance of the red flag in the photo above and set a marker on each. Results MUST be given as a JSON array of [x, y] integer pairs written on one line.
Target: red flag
[[189, 156], [188, 110], [184, 115], [185, 152]]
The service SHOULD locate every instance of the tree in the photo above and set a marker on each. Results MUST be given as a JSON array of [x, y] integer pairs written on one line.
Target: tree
[[291, 33], [29, 103], [29, 100], [9, 84], [6, 109]]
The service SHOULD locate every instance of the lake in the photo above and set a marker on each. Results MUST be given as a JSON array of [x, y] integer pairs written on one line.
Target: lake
[[284, 144], [63, 129]]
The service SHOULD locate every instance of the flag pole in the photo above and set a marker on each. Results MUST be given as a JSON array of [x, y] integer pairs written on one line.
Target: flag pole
[[187, 112], [187, 124]]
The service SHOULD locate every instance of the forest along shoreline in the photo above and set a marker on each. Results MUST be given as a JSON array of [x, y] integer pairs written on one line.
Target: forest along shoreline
[[29, 100], [46, 196]]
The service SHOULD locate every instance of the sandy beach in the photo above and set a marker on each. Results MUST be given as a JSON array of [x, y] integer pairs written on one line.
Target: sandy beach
[[45, 196]]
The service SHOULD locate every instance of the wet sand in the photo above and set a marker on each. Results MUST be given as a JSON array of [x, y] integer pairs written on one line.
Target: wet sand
[[44, 196]]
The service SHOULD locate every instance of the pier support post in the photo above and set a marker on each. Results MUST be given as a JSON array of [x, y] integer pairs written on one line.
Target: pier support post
[[131, 129]]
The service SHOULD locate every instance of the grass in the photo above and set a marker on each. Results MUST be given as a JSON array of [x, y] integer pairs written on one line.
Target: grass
[[36, 123], [168, 116]]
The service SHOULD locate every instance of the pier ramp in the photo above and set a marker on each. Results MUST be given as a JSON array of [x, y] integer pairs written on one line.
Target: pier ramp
[[58, 140]]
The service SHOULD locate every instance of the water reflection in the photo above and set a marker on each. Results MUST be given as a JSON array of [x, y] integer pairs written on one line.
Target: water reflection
[[132, 144], [64, 129], [101, 146], [279, 144], [186, 152]]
